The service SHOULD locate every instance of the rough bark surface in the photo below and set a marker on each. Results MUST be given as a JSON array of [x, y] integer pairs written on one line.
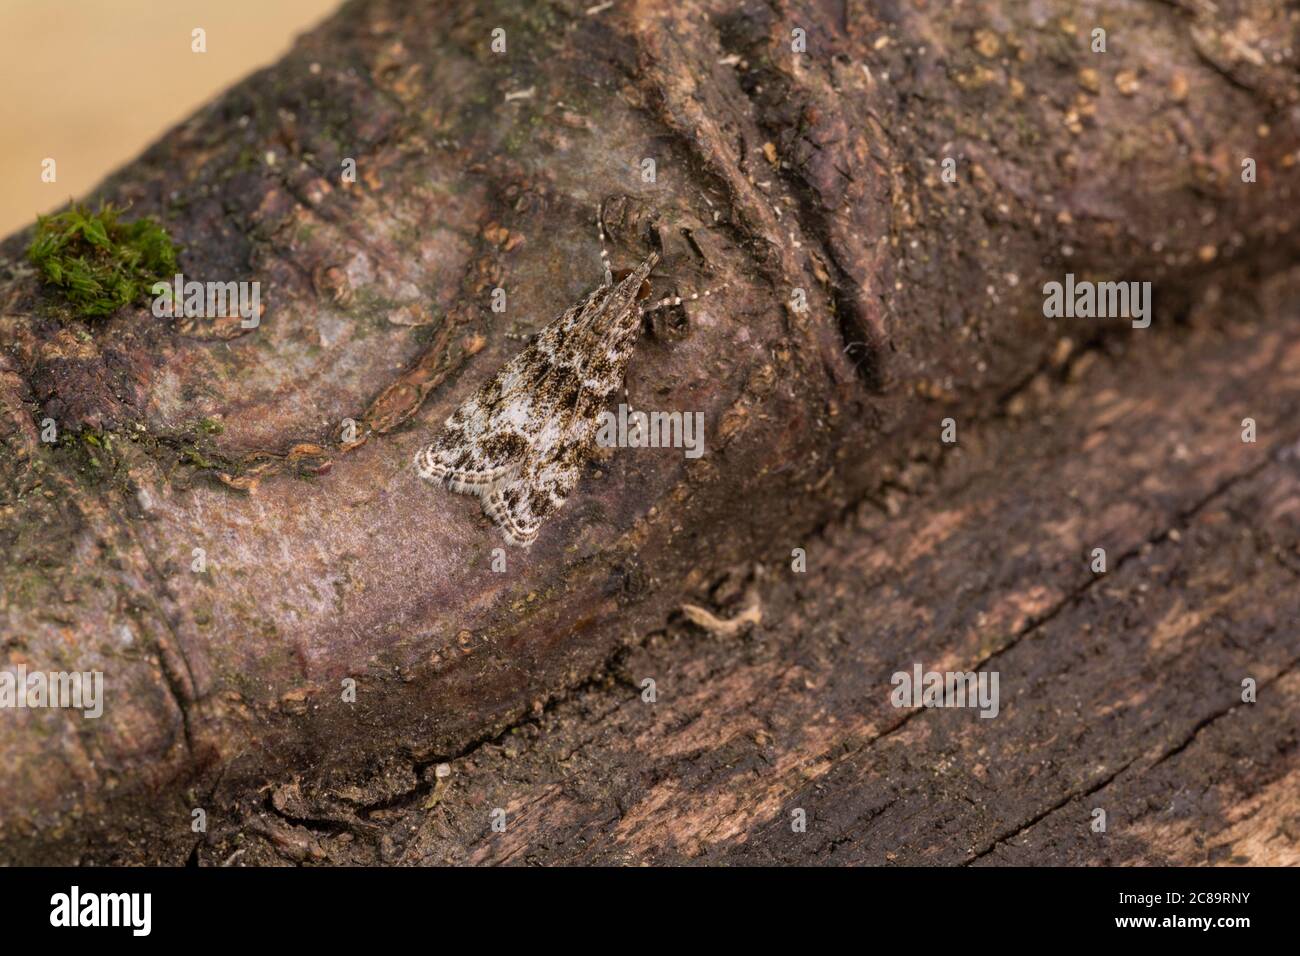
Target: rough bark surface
[[775, 171]]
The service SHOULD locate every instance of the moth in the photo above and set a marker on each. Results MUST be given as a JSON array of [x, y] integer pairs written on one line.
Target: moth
[[520, 440]]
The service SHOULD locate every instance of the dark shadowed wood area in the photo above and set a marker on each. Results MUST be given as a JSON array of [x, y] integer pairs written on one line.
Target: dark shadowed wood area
[[790, 177]]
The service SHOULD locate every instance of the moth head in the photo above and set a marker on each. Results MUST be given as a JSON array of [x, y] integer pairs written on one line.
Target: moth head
[[633, 285], [621, 304], [642, 292]]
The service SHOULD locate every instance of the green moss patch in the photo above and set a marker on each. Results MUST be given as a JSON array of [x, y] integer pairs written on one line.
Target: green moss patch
[[99, 262]]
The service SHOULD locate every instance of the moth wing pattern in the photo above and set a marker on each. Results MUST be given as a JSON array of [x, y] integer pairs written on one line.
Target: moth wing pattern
[[519, 506], [485, 442], [480, 447], [520, 440]]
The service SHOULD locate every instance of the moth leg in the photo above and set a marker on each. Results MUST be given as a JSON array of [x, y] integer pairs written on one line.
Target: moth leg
[[678, 300]]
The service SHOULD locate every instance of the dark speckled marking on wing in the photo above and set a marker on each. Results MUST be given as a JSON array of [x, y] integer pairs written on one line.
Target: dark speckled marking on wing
[[519, 442]]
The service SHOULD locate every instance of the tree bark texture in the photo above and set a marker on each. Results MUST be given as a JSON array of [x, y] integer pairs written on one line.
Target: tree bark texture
[[787, 176]]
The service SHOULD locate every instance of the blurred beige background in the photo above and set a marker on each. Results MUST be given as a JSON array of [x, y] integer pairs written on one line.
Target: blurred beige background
[[90, 83]]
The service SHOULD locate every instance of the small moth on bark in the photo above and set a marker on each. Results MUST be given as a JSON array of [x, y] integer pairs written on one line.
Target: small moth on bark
[[520, 441]]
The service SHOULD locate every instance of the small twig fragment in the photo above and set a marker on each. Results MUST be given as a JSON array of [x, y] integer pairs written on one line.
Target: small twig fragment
[[751, 616]]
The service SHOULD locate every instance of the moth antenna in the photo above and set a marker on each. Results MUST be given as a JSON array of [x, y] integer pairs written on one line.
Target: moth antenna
[[604, 253], [678, 299]]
